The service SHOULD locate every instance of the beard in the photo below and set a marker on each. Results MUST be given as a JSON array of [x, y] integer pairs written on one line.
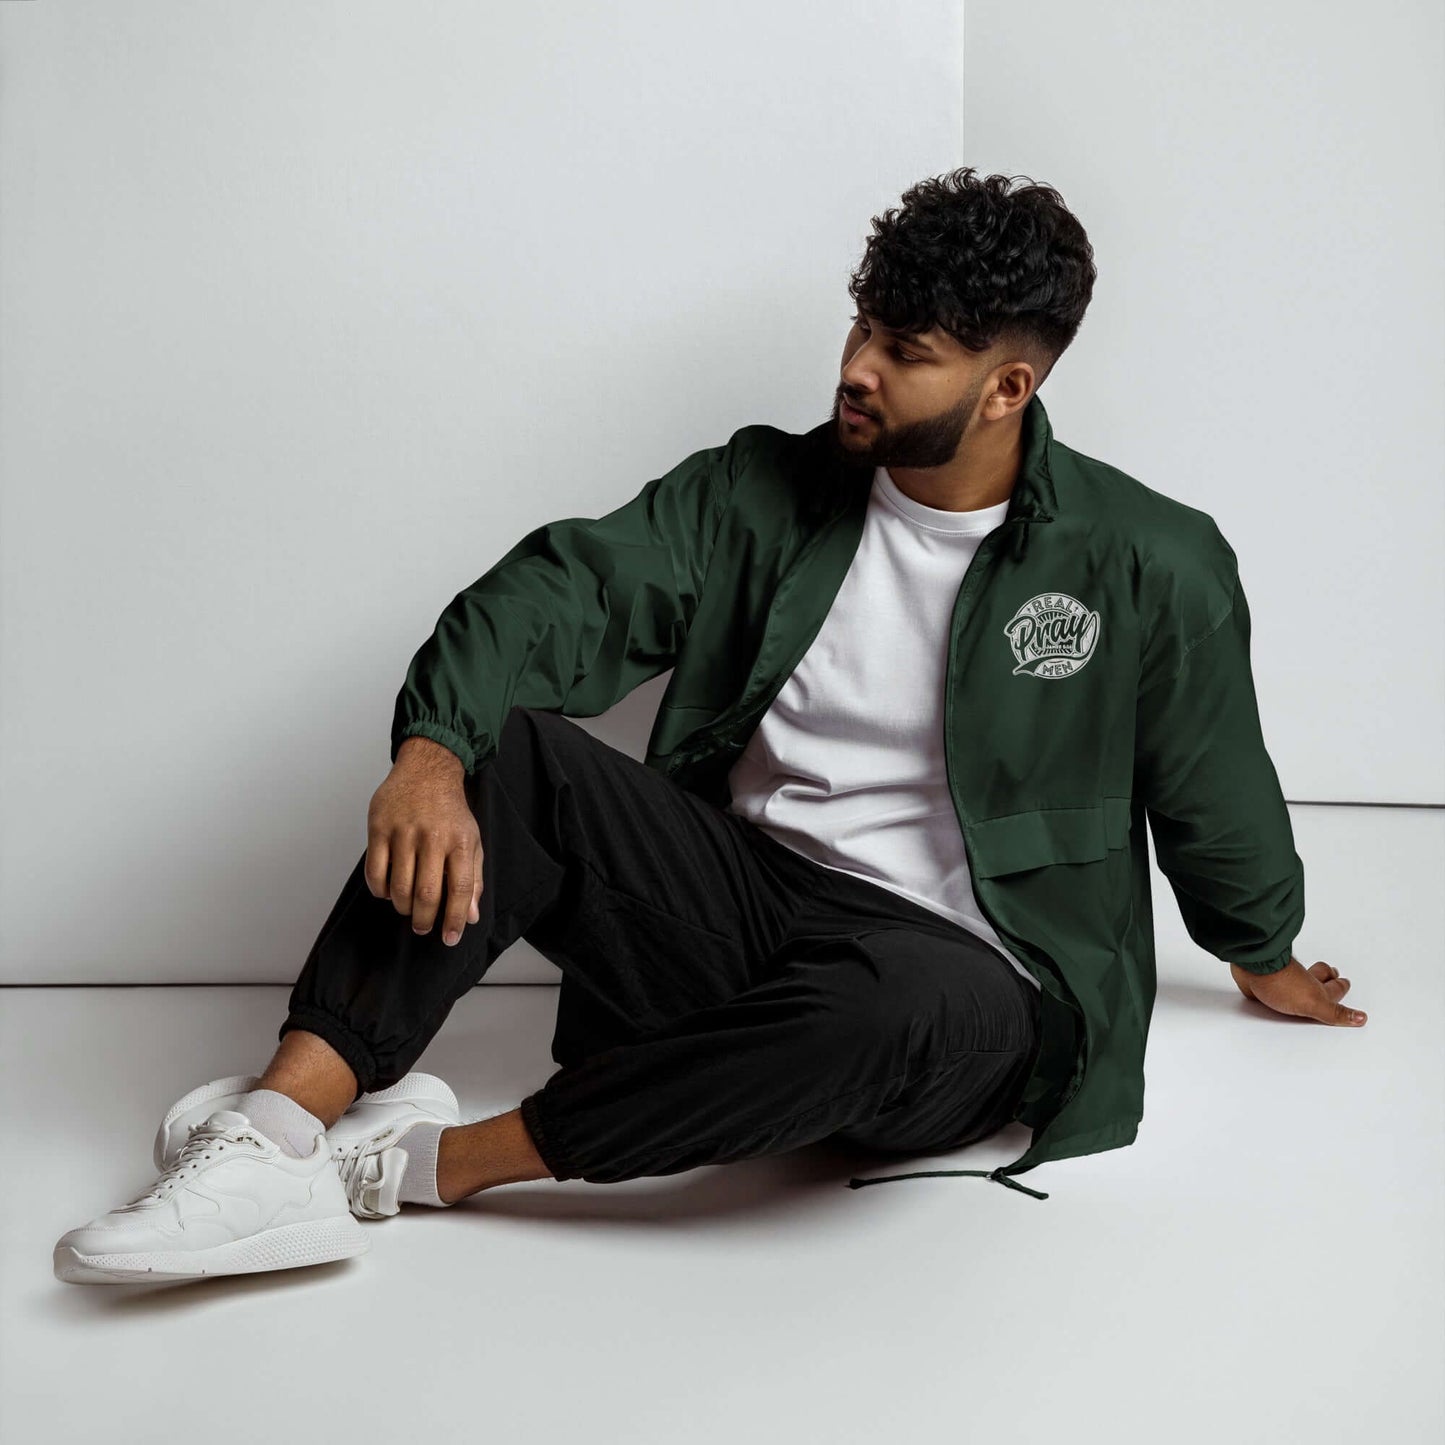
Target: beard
[[932, 442]]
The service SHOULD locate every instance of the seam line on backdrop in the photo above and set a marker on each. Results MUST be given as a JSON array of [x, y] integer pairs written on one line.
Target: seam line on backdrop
[[251, 983]]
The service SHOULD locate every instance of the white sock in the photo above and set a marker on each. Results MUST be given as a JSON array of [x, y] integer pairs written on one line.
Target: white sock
[[419, 1182], [281, 1119]]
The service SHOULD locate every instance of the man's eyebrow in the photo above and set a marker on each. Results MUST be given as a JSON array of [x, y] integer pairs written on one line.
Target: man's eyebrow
[[911, 337]]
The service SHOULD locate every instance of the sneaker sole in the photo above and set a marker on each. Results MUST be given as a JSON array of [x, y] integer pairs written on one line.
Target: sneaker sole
[[310, 1241]]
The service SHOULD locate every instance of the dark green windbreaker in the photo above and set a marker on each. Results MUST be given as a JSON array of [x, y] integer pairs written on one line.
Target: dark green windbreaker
[[1098, 675]]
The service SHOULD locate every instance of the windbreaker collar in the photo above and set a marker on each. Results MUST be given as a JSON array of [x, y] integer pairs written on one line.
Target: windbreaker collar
[[1034, 498]]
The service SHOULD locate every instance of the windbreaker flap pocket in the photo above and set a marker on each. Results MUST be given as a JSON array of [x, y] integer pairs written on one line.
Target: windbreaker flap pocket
[[1041, 836]]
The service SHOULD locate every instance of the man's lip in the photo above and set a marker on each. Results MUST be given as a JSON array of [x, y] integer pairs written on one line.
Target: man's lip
[[856, 409]]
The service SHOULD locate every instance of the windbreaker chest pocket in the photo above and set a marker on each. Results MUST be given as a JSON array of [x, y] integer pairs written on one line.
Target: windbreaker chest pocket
[[1016, 842]]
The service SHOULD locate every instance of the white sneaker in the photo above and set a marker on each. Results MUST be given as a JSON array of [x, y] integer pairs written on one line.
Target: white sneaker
[[232, 1202], [361, 1139]]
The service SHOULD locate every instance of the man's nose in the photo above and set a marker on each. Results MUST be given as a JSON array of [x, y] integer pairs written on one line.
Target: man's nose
[[856, 375]]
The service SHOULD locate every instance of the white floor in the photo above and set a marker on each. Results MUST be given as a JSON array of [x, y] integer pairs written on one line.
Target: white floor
[[1266, 1263]]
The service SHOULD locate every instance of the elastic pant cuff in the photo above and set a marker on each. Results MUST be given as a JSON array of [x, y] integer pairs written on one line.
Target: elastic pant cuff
[[349, 1045], [542, 1140]]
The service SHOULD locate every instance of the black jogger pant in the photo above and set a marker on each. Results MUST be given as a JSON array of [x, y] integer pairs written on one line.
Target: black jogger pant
[[722, 996]]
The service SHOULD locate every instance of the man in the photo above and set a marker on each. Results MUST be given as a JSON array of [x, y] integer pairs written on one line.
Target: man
[[883, 876]]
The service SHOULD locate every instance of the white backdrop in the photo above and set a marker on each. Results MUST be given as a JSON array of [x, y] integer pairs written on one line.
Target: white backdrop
[[309, 310], [1264, 187]]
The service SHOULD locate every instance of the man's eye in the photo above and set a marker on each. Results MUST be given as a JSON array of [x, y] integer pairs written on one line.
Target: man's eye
[[897, 350]]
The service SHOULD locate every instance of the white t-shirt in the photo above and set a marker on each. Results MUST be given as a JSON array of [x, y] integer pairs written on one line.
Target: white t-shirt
[[846, 766]]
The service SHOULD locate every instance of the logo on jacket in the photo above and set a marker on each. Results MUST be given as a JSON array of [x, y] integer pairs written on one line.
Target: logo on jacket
[[1052, 635]]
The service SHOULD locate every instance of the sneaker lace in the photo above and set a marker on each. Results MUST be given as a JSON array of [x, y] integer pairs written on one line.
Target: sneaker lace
[[359, 1165], [204, 1141]]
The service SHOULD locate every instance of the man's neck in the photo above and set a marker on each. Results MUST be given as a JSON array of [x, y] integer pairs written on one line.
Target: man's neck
[[982, 475]]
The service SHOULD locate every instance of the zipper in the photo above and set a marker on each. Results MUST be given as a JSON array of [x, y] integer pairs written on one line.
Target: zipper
[[989, 545]]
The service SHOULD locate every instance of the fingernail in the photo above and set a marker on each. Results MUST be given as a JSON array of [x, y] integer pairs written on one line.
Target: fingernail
[[450, 938]]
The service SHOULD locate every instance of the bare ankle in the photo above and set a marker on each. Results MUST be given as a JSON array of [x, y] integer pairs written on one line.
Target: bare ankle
[[486, 1153], [307, 1069]]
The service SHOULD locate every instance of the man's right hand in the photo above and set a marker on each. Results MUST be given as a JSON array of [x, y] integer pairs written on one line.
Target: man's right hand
[[421, 833]]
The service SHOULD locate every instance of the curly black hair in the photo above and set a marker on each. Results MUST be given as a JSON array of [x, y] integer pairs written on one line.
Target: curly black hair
[[985, 265]]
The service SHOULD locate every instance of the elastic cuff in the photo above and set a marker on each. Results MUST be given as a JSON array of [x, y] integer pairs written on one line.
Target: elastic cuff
[[541, 1140], [349, 1045], [1271, 965], [436, 732]]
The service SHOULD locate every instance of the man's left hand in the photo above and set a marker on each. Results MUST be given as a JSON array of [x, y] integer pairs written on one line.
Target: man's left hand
[[1312, 993]]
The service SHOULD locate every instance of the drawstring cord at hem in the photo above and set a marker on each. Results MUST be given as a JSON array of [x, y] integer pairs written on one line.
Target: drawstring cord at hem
[[997, 1175]]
